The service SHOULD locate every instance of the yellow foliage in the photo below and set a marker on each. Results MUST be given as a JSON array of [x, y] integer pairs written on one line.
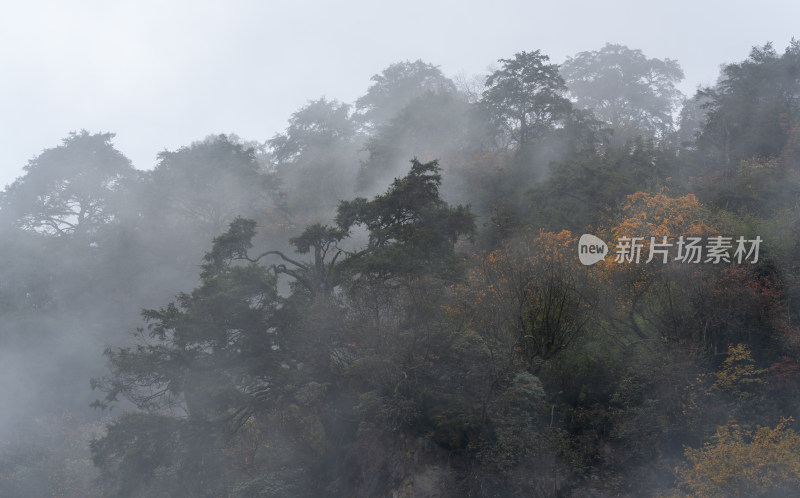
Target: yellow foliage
[[739, 462], [738, 375], [645, 215], [657, 215], [523, 294]]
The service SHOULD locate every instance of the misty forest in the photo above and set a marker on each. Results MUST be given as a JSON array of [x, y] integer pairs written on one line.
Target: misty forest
[[386, 298]]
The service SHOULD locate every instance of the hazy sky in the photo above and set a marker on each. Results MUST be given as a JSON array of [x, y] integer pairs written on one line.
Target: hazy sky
[[163, 74]]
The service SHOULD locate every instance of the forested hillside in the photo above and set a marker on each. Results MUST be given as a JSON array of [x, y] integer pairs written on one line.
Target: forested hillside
[[390, 297]]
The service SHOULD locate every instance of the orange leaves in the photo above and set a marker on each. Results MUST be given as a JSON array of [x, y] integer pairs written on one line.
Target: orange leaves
[[524, 295], [741, 462], [657, 215], [521, 261]]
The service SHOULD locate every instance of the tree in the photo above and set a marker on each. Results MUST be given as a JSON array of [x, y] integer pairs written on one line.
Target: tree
[[72, 189], [582, 191], [752, 110], [690, 121], [440, 125], [411, 229], [396, 86], [651, 300], [318, 125], [213, 356], [208, 184], [232, 358], [526, 97], [742, 462], [320, 277], [525, 298], [316, 160], [634, 94], [224, 324]]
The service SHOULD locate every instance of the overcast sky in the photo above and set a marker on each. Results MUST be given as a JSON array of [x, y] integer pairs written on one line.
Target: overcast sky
[[161, 74]]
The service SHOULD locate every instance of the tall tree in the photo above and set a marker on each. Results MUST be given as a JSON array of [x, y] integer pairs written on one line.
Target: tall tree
[[212, 355], [634, 94], [411, 229], [316, 159], [74, 188], [583, 191], [396, 86], [526, 97], [317, 126], [433, 125], [232, 357], [752, 111], [209, 183]]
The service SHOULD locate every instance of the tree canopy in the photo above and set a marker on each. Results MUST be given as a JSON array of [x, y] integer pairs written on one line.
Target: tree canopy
[[634, 94], [396, 86], [526, 97], [753, 111], [74, 188], [560, 294]]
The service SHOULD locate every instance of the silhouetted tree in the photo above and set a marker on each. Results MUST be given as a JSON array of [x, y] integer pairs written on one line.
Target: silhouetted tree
[[634, 94], [396, 86], [208, 184], [72, 189], [752, 111], [526, 97]]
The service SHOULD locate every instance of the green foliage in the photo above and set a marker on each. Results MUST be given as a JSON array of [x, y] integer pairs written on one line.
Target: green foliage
[[411, 229], [738, 375], [316, 236], [441, 125], [583, 192], [49, 456], [75, 188], [622, 87], [370, 356], [517, 424], [208, 184], [316, 160], [229, 247], [137, 447], [754, 187], [526, 97], [210, 355], [396, 86], [319, 125], [211, 345], [753, 109]]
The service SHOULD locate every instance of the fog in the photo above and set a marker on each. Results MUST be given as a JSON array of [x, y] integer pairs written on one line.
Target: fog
[[376, 291], [161, 76]]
